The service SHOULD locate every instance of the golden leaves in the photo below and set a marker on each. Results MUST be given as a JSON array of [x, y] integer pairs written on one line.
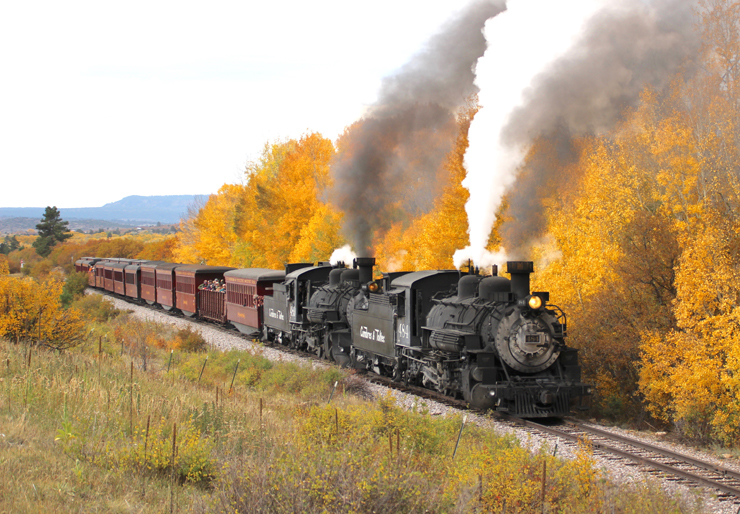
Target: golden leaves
[[647, 255], [277, 216], [692, 374], [32, 311], [208, 237]]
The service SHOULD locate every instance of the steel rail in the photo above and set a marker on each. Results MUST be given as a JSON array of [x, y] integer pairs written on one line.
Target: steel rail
[[725, 472], [706, 482]]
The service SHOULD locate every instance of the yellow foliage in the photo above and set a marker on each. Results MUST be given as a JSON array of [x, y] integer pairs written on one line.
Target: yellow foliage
[[508, 472], [281, 205], [276, 217], [691, 376], [319, 237], [208, 237], [159, 250], [151, 450], [30, 310]]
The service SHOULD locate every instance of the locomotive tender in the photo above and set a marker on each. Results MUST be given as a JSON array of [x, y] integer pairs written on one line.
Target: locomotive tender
[[488, 340]]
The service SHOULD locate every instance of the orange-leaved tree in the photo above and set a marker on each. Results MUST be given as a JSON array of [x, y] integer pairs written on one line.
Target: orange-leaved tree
[[161, 250], [207, 235], [689, 375], [282, 215]]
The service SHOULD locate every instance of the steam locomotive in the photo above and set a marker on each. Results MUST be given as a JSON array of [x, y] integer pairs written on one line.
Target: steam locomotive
[[487, 340]]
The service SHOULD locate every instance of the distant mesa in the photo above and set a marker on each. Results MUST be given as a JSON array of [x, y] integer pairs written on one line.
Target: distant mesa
[[129, 211]]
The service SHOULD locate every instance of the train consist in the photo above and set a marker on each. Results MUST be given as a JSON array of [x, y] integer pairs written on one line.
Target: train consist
[[486, 339]]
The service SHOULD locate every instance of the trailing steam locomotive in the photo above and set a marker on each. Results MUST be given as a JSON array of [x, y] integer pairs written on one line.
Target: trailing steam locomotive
[[488, 340]]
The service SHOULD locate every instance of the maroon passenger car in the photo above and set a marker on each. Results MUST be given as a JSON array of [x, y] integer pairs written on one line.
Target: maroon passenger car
[[100, 274], [166, 284], [188, 280], [108, 275], [148, 281], [245, 290], [117, 275], [132, 278]]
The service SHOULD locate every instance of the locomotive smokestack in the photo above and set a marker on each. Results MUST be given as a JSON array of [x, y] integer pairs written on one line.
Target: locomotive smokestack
[[520, 271], [365, 264]]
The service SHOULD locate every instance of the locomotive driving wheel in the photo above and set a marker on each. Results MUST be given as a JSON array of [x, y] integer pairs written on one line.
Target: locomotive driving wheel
[[398, 371]]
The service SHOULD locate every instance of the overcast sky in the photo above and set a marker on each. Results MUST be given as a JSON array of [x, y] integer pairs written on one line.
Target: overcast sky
[[101, 100]]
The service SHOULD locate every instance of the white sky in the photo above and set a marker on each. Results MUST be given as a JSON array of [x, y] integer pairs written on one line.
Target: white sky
[[101, 99]]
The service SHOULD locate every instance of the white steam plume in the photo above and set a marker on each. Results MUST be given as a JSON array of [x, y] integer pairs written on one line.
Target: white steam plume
[[522, 42], [343, 254]]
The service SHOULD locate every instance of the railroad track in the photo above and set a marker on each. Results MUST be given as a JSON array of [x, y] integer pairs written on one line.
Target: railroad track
[[655, 460]]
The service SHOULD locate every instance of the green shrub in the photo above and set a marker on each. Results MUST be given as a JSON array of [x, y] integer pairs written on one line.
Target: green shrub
[[96, 308], [74, 288]]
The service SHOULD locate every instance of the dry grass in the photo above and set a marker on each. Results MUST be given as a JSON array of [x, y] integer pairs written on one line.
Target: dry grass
[[75, 439]]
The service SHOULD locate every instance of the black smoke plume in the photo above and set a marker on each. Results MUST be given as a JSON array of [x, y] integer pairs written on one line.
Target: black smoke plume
[[387, 162], [623, 49], [538, 180]]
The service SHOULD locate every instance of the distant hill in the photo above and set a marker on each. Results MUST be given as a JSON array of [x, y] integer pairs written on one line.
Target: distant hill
[[23, 225], [131, 210]]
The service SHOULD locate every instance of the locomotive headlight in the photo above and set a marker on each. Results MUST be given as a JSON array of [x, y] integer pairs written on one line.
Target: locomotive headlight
[[535, 302], [373, 287]]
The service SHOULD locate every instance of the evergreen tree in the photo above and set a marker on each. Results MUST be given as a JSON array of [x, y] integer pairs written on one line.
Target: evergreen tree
[[52, 230], [13, 243], [9, 244]]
